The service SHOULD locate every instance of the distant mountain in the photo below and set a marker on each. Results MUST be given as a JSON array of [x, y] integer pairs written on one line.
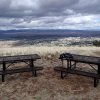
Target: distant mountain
[[46, 34], [45, 30]]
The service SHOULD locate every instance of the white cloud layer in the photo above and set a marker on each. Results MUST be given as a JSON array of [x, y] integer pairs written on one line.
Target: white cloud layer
[[64, 14]]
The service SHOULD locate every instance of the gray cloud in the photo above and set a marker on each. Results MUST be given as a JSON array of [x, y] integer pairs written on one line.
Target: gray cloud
[[49, 13], [88, 7]]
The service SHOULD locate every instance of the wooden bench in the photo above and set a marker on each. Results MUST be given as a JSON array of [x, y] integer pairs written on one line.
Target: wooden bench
[[80, 59], [7, 61], [83, 73]]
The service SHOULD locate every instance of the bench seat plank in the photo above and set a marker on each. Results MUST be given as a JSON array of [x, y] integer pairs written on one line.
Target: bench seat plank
[[83, 73], [12, 71]]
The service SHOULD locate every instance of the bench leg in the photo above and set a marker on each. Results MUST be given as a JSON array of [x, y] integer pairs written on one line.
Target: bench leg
[[3, 78], [62, 75], [4, 69], [32, 67], [96, 81], [35, 73]]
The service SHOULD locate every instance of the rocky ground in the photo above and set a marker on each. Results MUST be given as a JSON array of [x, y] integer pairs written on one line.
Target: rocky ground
[[48, 85]]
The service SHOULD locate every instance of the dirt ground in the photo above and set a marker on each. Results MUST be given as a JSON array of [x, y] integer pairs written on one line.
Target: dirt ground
[[48, 85]]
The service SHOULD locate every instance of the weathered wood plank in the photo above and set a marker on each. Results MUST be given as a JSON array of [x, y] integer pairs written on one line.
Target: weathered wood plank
[[19, 58], [84, 59], [12, 71]]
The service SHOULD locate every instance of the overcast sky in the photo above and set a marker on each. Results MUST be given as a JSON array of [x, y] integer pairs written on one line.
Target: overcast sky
[[49, 14]]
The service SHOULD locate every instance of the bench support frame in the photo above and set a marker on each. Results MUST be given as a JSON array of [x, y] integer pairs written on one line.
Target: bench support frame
[[71, 69], [31, 68]]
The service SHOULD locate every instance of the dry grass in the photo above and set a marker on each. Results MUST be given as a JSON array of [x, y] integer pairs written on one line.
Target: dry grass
[[8, 48], [48, 85], [43, 50]]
